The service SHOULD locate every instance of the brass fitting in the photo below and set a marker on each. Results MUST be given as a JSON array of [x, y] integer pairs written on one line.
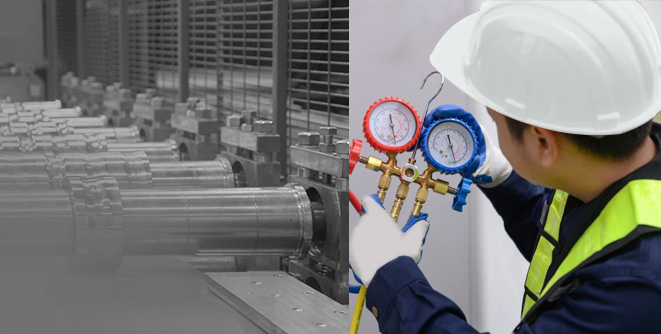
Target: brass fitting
[[389, 168], [402, 193], [425, 181]]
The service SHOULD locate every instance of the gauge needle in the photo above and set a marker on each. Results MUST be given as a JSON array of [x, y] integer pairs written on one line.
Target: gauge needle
[[392, 127], [451, 150]]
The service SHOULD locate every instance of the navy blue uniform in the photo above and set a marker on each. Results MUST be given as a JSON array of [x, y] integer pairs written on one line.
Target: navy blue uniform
[[619, 294]]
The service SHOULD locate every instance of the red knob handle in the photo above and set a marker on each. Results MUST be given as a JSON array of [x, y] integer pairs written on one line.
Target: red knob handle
[[354, 155]]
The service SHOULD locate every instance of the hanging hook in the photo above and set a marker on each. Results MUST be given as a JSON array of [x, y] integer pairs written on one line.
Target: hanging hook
[[429, 103]]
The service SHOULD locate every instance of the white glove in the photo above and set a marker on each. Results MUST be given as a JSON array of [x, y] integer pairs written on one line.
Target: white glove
[[493, 169], [377, 240]]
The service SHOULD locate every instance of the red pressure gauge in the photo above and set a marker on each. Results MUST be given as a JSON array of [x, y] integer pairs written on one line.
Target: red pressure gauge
[[391, 125]]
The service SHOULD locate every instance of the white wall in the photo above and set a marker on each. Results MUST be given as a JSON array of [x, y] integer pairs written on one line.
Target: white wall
[[468, 256]]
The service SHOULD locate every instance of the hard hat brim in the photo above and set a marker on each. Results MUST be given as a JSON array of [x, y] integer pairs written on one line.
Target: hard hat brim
[[450, 57]]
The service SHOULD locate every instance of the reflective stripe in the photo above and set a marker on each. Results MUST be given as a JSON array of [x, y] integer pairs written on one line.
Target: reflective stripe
[[636, 204], [541, 260]]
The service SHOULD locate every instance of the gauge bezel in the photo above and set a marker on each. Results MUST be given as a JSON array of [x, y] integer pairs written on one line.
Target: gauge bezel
[[424, 146], [371, 139]]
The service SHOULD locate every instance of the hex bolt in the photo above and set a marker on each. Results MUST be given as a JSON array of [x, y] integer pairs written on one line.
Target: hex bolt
[[157, 102], [342, 147], [249, 116], [308, 138], [234, 121], [262, 126], [327, 148], [327, 133]]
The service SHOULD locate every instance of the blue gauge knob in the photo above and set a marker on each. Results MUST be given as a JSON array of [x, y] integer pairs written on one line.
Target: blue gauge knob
[[463, 190], [449, 145]]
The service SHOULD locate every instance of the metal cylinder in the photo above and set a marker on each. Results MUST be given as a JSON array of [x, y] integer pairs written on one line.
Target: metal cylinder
[[35, 223], [157, 151], [97, 223], [194, 174], [232, 221], [62, 113], [37, 105], [84, 122], [129, 134], [131, 170]]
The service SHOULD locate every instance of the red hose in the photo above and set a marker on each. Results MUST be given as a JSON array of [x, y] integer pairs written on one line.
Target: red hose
[[355, 202]]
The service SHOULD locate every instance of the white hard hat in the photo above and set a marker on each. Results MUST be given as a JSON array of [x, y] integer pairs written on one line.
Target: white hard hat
[[578, 66]]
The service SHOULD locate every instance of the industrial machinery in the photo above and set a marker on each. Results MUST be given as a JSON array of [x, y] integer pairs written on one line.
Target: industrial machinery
[[251, 144], [118, 104], [130, 170], [324, 173], [195, 130], [164, 151], [153, 115]]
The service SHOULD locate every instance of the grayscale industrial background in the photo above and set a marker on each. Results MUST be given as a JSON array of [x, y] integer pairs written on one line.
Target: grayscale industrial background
[[174, 166]]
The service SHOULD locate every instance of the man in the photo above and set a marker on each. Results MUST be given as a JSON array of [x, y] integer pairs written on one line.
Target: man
[[573, 87]]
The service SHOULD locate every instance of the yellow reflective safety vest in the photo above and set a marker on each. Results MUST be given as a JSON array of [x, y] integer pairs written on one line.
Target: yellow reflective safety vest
[[633, 211]]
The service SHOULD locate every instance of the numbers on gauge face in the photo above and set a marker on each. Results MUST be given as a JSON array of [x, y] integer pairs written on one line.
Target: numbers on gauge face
[[451, 144], [393, 124]]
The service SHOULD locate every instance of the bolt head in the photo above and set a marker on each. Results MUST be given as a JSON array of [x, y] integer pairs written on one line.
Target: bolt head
[[181, 107], [328, 130], [157, 102], [248, 116], [308, 138], [262, 126], [342, 147], [234, 121], [327, 148], [246, 127]]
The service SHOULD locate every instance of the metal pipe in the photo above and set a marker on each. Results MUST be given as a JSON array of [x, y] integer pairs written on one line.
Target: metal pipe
[[97, 223], [232, 221], [194, 174], [131, 170], [157, 151], [42, 105], [83, 122], [129, 134]]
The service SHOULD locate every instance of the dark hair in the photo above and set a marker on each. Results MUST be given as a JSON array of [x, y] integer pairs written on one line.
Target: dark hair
[[612, 148]]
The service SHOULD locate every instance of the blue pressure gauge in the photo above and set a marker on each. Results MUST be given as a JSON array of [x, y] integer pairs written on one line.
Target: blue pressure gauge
[[449, 145]]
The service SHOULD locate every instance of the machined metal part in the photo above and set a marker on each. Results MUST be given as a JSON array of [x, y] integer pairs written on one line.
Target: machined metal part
[[84, 122], [157, 151], [96, 224], [153, 115], [311, 157], [118, 105], [131, 170], [166, 150], [324, 175], [251, 153], [278, 303], [129, 134]]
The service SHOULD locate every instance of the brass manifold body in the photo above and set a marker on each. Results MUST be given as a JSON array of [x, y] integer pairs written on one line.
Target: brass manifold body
[[406, 175]]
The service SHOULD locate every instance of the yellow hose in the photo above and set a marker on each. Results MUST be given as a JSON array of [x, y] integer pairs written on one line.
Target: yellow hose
[[358, 310]]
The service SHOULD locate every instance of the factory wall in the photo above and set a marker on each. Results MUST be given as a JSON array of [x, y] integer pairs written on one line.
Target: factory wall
[[21, 32], [468, 256]]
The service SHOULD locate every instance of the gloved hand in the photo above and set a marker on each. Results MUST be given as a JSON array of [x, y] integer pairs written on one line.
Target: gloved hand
[[377, 240], [490, 168]]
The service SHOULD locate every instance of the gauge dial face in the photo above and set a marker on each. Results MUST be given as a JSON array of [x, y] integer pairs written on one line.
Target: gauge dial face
[[393, 124], [451, 144]]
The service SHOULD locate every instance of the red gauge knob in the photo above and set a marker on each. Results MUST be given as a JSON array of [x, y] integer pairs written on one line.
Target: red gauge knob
[[354, 154], [391, 125]]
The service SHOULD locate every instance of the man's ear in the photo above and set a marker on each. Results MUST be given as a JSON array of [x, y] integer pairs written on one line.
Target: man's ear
[[546, 145]]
